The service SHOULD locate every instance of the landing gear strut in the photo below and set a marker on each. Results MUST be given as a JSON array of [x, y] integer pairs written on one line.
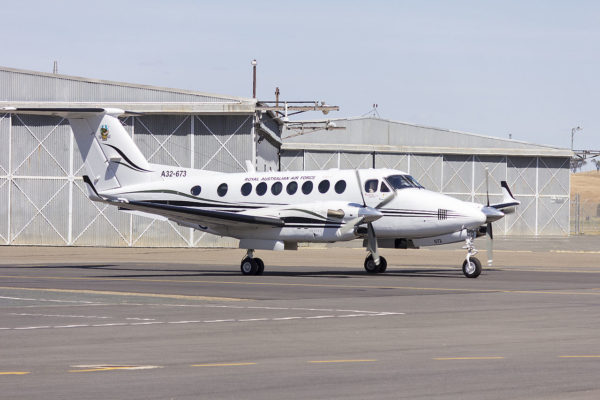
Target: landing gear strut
[[251, 265], [471, 266]]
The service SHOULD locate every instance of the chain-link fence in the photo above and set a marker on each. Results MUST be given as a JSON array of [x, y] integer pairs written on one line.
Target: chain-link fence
[[585, 215]]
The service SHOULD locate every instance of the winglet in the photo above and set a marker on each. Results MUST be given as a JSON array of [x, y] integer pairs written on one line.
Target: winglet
[[91, 189], [508, 200]]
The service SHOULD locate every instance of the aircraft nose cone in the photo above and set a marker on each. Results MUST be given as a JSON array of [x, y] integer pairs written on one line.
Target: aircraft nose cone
[[369, 214], [491, 214]]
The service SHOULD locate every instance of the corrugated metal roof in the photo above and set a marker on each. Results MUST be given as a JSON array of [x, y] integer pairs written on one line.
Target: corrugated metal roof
[[30, 86], [375, 134]]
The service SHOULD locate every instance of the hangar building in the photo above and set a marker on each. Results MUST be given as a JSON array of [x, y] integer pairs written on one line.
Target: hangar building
[[43, 201], [450, 162]]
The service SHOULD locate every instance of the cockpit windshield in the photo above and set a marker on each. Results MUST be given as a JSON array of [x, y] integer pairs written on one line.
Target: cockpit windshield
[[403, 182]]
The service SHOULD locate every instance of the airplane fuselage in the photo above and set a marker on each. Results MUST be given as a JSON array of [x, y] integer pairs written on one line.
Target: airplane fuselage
[[316, 206]]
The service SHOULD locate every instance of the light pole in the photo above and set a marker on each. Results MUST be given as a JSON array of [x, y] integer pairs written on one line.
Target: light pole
[[254, 79], [573, 130]]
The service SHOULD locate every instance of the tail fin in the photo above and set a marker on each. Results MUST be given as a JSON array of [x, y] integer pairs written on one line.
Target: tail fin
[[111, 158]]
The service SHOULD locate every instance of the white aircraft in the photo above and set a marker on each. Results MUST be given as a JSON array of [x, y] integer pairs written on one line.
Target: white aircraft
[[276, 210]]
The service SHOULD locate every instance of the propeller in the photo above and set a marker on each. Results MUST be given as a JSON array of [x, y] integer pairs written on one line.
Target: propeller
[[371, 214], [488, 230]]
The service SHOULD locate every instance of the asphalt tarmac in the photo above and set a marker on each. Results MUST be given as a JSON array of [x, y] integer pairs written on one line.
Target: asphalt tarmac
[[97, 323]]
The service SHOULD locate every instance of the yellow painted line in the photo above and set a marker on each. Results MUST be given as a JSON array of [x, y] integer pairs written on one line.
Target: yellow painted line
[[14, 373], [590, 356], [110, 293], [223, 364], [338, 361], [246, 283], [467, 358]]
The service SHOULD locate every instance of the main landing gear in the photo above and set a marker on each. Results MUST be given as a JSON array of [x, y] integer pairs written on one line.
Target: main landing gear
[[252, 265], [372, 268], [471, 266]]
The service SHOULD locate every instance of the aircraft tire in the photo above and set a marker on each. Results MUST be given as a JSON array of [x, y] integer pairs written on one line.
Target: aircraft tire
[[382, 265], [474, 270], [249, 266], [370, 266], [261, 266]]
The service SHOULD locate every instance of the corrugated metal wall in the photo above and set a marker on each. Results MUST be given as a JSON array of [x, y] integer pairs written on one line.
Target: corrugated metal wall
[[540, 183], [44, 201]]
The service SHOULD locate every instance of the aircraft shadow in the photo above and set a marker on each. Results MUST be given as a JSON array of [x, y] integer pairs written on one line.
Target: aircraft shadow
[[228, 271]]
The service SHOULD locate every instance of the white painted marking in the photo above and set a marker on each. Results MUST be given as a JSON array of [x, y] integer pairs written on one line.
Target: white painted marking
[[146, 323], [32, 327], [253, 319], [185, 322], [221, 320], [114, 324], [320, 316], [68, 326], [285, 318], [60, 315]]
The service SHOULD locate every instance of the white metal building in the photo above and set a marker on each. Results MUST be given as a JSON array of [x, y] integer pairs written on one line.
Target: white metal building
[[449, 162], [42, 198], [43, 201]]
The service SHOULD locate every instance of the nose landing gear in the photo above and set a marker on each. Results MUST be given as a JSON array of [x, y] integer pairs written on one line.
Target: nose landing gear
[[471, 266]]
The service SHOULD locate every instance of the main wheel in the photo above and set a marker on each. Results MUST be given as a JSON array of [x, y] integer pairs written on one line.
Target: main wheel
[[382, 264], [370, 266], [261, 266], [249, 266], [472, 269]]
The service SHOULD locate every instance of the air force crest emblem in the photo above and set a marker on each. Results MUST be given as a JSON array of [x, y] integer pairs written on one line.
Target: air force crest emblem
[[104, 133]]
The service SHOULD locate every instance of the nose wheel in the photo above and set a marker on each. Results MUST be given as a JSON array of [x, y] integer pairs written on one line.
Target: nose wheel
[[252, 265], [471, 266]]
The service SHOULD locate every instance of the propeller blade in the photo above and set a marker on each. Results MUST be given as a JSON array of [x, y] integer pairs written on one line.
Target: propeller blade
[[487, 185], [372, 243], [490, 244], [360, 189]]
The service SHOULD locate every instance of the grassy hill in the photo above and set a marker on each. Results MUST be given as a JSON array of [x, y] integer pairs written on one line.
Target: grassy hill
[[587, 185]]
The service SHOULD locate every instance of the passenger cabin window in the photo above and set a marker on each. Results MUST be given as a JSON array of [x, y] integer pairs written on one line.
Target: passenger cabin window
[[291, 187], [246, 188], [340, 186], [403, 182], [324, 186], [371, 185], [307, 187], [276, 188], [222, 189], [261, 188], [196, 190]]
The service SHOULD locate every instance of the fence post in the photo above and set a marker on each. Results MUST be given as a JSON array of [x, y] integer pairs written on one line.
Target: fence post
[[577, 214]]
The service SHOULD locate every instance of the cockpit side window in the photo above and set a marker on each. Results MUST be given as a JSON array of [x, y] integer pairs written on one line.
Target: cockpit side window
[[371, 185], [403, 182]]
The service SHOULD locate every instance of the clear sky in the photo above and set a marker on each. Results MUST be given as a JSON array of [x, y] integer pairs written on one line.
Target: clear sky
[[528, 68]]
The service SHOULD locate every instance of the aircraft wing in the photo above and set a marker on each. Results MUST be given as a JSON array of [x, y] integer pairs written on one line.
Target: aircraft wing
[[202, 217]]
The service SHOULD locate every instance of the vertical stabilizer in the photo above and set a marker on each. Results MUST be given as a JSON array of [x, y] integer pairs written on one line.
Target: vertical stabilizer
[[111, 158]]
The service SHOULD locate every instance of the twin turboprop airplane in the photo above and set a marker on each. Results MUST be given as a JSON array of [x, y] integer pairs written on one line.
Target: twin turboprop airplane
[[276, 210]]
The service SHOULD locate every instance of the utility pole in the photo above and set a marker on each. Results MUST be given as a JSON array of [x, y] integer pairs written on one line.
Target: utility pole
[[573, 130], [253, 78]]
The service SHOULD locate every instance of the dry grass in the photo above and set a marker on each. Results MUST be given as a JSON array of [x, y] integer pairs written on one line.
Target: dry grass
[[587, 185]]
